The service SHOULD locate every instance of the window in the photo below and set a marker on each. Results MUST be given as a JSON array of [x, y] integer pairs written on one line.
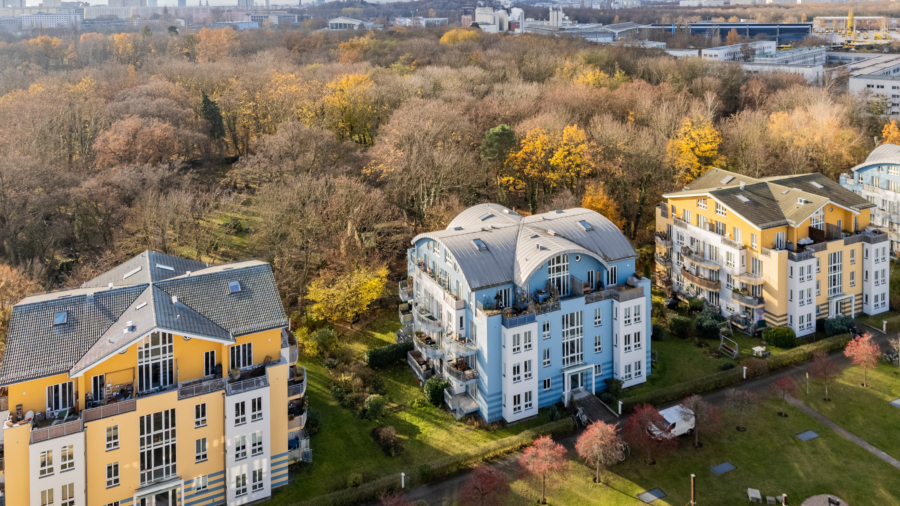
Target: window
[[526, 340], [257, 479], [240, 413], [112, 437], [852, 278], [835, 277], [116, 503], [818, 265], [753, 242], [112, 475], [209, 363], [817, 220], [201, 483], [852, 256], [46, 467], [701, 221], [720, 227], [790, 319], [528, 370], [612, 276], [598, 343], [818, 292], [729, 281], [598, 317], [240, 447], [240, 485], [627, 316], [156, 362], [256, 443], [791, 271], [779, 240], [637, 340], [256, 409], [200, 415], [517, 372], [737, 234], [200, 450], [627, 342], [545, 329], [528, 401], [790, 296], [686, 215], [60, 397], [637, 314], [720, 209], [67, 458], [547, 384], [517, 403], [546, 357], [809, 295], [572, 351], [157, 446], [558, 274], [701, 203], [98, 386], [47, 497], [637, 369], [242, 355], [627, 375], [729, 259], [598, 370], [516, 343]]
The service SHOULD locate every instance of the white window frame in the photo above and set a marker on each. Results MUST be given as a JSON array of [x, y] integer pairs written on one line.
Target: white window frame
[[517, 403], [547, 384], [701, 203], [598, 317], [517, 372], [45, 466], [598, 343], [627, 316], [529, 371], [637, 341], [637, 313], [526, 340], [68, 495], [572, 339], [66, 458], [637, 369], [200, 450], [240, 413], [242, 355], [201, 483], [240, 485], [545, 329], [257, 480], [546, 357], [112, 437], [256, 443], [516, 343], [240, 447], [200, 415], [112, 475], [627, 342], [256, 409], [720, 209], [47, 497]]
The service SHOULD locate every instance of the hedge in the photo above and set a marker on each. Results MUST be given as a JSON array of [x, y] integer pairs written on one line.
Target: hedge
[[389, 355], [798, 355], [782, 337], [441, 468]]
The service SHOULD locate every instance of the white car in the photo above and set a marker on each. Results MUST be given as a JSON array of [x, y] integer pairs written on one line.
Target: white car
[[680, 422]]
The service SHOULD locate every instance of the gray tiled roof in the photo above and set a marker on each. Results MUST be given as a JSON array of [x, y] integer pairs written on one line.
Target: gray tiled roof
[[98, 316], [148, 267]]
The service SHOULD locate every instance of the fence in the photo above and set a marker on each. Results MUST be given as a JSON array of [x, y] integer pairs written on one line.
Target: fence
[[206, 387], [55, 431], [107, 410], [246, 385]]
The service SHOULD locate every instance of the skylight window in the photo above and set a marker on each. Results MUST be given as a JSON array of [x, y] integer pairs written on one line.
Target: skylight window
[[131, 273], [165, 267], [234, 286], [817, 185], [479, 244], [486, 216], [60, 318], [785, 191], [586, 226], [743, 199], [727, 179], [142, 304]]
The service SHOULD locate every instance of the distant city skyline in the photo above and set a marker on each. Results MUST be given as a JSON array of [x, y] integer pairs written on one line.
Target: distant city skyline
[[174, 3]]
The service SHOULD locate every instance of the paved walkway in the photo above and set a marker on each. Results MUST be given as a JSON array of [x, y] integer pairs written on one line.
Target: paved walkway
[[843, 432]]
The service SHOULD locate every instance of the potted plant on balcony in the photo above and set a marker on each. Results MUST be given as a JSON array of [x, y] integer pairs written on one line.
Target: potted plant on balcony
[[234, 374]]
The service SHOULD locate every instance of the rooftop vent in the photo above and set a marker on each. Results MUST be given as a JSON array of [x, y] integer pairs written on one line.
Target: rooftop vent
[[457, 228], [537, 246], [165, 267], [817, 185], [533, 236], [234, 286], [803, 201], [110, 285], [174, 299], [506, 211], [60, 318], [559, 211], [131, 273], [139, 306], [727, 179], [486, 216], [785, 191], [586, 226], [552, 232], [129, 327], [742, 185], [743, 199], [479, 244]]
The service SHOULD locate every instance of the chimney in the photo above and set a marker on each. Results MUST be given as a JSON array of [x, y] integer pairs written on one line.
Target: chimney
[[742, 185]]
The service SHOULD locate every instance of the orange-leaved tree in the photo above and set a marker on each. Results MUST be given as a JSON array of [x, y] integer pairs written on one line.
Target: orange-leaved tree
[[599, 445], [544, 461], [694, 150], [864, 352], [890, 134]]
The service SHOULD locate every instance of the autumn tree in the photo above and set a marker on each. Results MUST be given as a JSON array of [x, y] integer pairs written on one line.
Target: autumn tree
[[694, 150], [742, 402], [599, 445], [894, 343], [890, 134], [733, 38], [705, 416], [782, 388], [349, 109], [345, 296], [15, 285], [598, 79], [647, 432], [215, 44], [596, 199], [823, 369], [457, 35], [136, 140], [864, 352], [486, 486], [544, 461]]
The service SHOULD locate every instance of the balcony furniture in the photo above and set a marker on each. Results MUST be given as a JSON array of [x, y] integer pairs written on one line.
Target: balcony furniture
[[758, 350], [541, 295]]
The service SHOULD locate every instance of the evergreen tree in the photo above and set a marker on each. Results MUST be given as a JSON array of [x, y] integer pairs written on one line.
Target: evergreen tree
[[209, 110]]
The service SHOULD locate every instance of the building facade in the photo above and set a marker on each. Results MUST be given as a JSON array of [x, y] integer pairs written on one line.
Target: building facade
[[785, 250], [521, 312], [878, 180], [161, 382]]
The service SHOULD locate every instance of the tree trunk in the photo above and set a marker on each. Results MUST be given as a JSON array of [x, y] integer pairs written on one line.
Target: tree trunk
[[598, 470], [543, 488], [696, 435], [865, 377]]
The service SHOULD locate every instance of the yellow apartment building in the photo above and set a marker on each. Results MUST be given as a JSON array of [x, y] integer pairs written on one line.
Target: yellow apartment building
[[785, 250], [162, 382]]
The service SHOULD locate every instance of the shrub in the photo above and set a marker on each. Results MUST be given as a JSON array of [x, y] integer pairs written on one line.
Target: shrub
[[354, 480], [553, 413], [329, 363], [726, 366], [613, 387], [607, 398], [425, 474], [313, 421], [695, 305], [680, 327], [707, 325], [782, 337], [434, 390], [839, 325], [387, 440], [658, 332], [374, 407], [322, 341], [756, 367], [388, 355], [804, 353]]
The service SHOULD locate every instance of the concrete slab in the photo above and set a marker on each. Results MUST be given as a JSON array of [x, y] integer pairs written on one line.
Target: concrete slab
[[895, 403], [722, 468], [806, 436], [651, 495]]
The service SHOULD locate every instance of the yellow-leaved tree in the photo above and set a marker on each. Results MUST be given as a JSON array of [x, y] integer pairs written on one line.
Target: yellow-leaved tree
[[458, 35], [345, 296], [349, 111], [694, 150], [215, 44], [568, 162], [596, 199], [733, 38], [890, 134], [599, 79]]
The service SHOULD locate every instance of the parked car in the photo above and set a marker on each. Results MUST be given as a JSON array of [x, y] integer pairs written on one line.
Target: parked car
[[680, 422]]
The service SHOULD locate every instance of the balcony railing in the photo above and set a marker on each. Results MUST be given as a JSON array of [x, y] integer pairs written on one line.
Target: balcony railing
[[293, 354], [698, 259], [516, 321], [619, 293], [663, 211], [404, 311], [298, 422], [246, 385], [663, 260], [733, 244], [4, 403], [680, 223], [749, 278], [548, 307], [701, 282], [427, 321], [296, 388], [107, 410], [461, 348], [58, 430], [663, 240], [190, 389], [405, 291], [466, 376], [431, 350], [747, 300]]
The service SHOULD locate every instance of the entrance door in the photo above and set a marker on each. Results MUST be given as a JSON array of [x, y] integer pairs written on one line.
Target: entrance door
[[575, 381]]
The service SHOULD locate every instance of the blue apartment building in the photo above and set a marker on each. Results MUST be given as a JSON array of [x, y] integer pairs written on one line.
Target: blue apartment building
[[877, 180], [521, 312]]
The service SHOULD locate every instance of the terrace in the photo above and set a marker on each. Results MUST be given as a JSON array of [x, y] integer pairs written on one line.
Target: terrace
[[250, 378], [297, 381], [296, 414], [700, 281], [427, 345], [421, 365], [461, 371]]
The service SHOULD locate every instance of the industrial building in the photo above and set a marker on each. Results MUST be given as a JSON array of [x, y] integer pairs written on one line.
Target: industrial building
[[781, 33]]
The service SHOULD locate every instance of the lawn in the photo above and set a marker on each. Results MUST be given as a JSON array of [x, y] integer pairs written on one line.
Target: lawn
[[863, 411], [877, 321], [344, 446], [768, 457]]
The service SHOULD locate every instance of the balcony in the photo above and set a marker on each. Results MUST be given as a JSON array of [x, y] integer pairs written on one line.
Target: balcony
[[460, 348], [4, 403], [663, 240], [426, 320], [296, 415], [662, 281], [621, 293], [747, 300], [405, 291], [461, 371], [297, 382], [697, 259], [55, 429], [298, 446], [425, 275], [111, 409], [428, 346], [663, 210], [250, 378], [460, 404], [201, 386], [516, 321], [420, 365], [663, 260], [405, 312], [733, 244], [702, 282], [749, 278]]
